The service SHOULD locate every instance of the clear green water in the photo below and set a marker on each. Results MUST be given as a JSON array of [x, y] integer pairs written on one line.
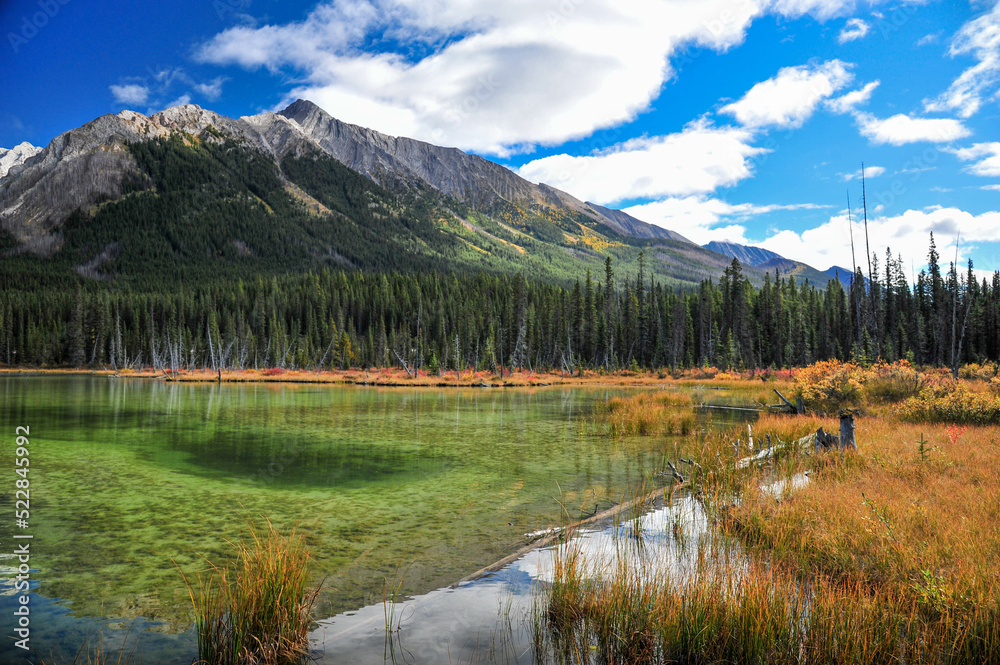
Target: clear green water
[[131, 479]]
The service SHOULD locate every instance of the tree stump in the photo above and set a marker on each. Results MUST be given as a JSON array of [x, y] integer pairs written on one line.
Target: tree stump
[[847, 431], [825, 440]]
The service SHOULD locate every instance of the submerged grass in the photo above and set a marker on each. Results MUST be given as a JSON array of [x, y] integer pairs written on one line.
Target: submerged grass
[[256, 610]]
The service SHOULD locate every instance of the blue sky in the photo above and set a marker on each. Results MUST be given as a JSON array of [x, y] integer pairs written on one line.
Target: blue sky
[[744, 120]]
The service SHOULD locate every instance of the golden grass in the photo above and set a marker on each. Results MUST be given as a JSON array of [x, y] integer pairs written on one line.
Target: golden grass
[[255, 611], [648, 413], [923, 520], [888, 555]]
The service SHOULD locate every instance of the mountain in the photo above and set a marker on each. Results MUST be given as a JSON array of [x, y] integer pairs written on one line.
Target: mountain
[[843, 274], [748, 256], [768, 261], [188, 193], [16, 156]]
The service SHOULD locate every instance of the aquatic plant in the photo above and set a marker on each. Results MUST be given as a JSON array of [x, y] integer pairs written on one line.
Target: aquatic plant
[[255, 610]]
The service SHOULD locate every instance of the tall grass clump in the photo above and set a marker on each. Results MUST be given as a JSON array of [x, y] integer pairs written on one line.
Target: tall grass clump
[[256, 609], [648, 413]]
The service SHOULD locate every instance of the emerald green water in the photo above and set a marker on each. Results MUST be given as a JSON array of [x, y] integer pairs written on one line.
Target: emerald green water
[[133, 479]]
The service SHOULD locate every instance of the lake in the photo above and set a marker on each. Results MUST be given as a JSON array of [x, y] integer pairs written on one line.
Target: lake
[[134, 480]]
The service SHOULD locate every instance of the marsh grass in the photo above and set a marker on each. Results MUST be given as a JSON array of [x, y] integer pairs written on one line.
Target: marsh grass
[[888, 555], [255, 610], [648, 413]]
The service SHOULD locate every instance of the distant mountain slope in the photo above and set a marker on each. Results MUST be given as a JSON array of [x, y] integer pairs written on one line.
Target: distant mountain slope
[[187, 191], [748, 256], [765, 260]]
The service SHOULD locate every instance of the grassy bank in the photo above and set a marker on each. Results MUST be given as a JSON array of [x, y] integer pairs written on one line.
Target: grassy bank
[[888, 555]]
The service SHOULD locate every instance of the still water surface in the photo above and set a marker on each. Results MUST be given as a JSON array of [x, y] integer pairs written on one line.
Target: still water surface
[[132, 480]]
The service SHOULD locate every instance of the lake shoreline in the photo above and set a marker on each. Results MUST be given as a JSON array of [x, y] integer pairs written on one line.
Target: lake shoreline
[[390, 378]]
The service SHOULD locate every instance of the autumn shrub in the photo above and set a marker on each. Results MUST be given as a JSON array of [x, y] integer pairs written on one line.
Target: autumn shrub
[[953, 402], [985, 372], [830, 384], [892, 382]]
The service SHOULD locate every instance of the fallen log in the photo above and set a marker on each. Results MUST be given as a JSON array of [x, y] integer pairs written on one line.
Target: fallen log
[[788, 406]]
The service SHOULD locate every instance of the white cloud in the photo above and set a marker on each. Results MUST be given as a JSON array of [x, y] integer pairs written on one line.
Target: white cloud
[[169, 83], [788, 99], [699, 159], [906, 234], [987, 156], [855, 28], [698, 217], [130, 93], [981, 39], [180, 101], [932, 38], [495, 77], [849, 102], [992, 188], [819, 9], [211, 90], [901, 129], [870, 172]]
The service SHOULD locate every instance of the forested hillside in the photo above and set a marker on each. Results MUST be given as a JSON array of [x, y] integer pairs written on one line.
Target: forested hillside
[[349, 318]]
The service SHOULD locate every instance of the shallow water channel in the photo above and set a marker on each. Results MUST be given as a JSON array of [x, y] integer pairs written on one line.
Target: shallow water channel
[[133, 481]]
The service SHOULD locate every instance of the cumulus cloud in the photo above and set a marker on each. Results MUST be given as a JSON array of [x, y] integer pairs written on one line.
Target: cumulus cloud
[[210, 90], [855, 28], [986, 157], [703, 219], [901, 129], [849, 102], [788, 99], [981, 39], [906, 234], [992, 188], [488, 76], [699, 159], [130, 93]]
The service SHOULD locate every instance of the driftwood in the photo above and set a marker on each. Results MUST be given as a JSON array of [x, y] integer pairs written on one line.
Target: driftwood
[[673, 471], [826, 441], [786, 405]]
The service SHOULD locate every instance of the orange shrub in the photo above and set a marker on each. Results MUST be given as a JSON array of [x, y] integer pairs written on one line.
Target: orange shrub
[[830, 384], [892, 381], [952, 403]]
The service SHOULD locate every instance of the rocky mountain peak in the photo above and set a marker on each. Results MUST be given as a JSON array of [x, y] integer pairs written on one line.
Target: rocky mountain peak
[[9, 158]]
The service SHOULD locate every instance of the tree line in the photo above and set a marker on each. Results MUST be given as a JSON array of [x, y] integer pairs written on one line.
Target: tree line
[[430, 320]]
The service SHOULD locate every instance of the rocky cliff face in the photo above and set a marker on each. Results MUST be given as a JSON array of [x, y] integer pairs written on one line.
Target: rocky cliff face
[[16, 156], [91, 164], [471, 179]]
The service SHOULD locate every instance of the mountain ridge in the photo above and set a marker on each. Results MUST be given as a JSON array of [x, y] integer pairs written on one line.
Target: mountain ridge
[[491, 217]]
